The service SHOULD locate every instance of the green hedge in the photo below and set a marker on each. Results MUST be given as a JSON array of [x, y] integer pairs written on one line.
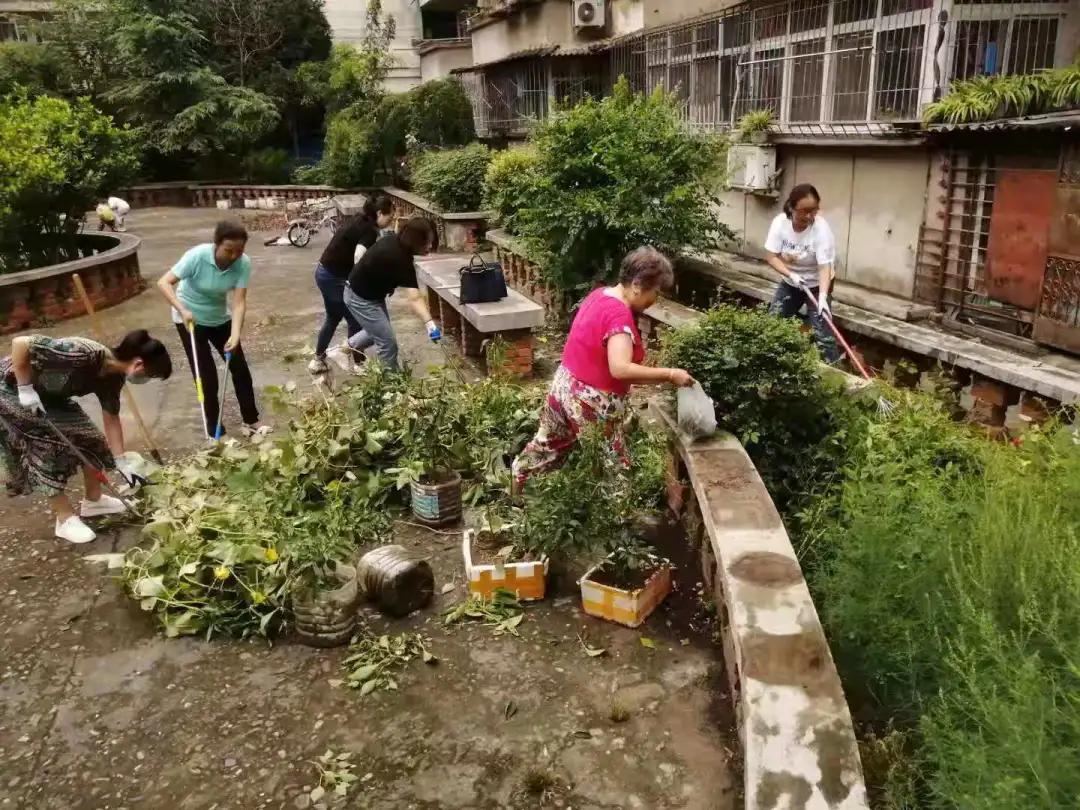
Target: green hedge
[[453, 179], [944, 567], [510, 184]]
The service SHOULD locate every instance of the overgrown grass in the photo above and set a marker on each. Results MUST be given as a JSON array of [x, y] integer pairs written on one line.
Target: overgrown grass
[[945, 569]]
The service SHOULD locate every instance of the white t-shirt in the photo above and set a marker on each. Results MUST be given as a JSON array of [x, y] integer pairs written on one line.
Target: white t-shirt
[[119, 206], [802, 251]]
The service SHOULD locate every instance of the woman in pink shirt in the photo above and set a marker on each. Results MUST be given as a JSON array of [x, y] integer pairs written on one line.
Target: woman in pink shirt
[[603, 357]]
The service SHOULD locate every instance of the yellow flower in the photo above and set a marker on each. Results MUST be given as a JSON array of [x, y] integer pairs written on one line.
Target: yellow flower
[[221, 572], [258, 597], [271, 555]]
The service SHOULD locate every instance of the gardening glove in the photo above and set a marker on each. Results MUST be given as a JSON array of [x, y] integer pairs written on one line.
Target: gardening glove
[[823, 305], [127, 465], [30, 400], [434, 333]]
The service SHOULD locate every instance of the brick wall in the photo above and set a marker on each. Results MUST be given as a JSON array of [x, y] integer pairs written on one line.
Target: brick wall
[[42, 298]]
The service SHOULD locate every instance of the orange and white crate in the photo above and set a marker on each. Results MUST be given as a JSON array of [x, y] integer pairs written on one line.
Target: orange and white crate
[[528, 580], [630, 608]]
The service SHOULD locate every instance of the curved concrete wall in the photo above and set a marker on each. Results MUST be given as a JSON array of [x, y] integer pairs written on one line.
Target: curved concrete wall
[[109, 270], [798, 742]]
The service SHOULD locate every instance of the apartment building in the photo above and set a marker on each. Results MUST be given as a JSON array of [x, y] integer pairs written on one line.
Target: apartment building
[[16, 16], [348, 18], [927, 215]]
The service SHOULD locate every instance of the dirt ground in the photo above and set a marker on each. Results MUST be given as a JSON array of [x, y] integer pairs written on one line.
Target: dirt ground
[[99, 711]]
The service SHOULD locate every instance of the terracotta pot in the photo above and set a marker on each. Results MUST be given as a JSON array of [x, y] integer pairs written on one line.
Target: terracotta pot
[[438, 503], [327, 618], [527, 580], [630, 608]]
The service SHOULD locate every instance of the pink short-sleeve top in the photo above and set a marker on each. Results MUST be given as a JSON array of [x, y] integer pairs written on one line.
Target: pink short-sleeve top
[[585, 355]]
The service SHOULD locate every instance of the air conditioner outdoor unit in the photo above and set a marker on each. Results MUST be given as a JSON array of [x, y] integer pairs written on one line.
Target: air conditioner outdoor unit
[[589, 14], [751, 167]]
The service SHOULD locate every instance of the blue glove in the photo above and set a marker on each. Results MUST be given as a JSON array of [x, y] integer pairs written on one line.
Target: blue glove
[[434, 333]]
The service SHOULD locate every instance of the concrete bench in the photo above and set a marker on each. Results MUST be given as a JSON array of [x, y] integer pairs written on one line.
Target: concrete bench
[[472, 325]]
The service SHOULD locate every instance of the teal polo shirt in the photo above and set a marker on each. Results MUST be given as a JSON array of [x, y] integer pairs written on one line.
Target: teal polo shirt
[[204, 287]]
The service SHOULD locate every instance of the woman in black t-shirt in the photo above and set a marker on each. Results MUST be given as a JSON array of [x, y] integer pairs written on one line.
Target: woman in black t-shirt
[[381, 270], [332, 271]]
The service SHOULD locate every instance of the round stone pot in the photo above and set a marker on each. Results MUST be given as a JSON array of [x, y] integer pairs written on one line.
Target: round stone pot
[[327, 618]]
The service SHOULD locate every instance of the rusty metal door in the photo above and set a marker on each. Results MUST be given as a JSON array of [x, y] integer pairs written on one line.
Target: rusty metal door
[[1024, 203], [1057, 322]]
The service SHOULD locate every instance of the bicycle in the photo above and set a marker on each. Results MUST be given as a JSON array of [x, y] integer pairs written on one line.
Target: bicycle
[[301, 230]]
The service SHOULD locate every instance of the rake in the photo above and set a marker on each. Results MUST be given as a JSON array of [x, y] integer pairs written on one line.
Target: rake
[[885, 407]]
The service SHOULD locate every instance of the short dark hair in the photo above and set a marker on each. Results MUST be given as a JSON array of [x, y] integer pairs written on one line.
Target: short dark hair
[[419, 235], [373, 206], [139, 344], [229, 229], [798, 193], [647, 267]]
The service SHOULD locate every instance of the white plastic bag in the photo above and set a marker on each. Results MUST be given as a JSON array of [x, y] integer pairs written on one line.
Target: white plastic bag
[[697, 415]]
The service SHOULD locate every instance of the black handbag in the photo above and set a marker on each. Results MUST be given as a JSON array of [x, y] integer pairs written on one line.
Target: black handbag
[[482, 282]]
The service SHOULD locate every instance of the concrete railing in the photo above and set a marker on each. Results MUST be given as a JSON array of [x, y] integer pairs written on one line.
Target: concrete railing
[[109, 270], [524, 275], [459, 231], [798, 742], [207, 195]]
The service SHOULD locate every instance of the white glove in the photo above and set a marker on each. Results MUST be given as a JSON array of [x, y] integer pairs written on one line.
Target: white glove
[[823, 305], [127, 465], [30, 400]]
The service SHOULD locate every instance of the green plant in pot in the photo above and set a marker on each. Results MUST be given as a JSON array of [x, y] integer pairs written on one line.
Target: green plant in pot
[[324, 587], [437, 447]]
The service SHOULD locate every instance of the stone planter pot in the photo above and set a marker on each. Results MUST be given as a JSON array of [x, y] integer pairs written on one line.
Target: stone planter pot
[[327, 618], [527, 580], [436, 501], [628, 607]]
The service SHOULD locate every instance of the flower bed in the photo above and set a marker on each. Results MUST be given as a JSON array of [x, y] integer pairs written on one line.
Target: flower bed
[[109, 269]]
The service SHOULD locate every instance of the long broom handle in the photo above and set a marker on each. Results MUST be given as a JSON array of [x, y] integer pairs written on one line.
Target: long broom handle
[[827, 317], [198, 377], [129, 398], [219, 430]]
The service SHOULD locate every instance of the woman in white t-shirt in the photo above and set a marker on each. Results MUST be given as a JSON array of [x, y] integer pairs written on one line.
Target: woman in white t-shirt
[[801, 248]]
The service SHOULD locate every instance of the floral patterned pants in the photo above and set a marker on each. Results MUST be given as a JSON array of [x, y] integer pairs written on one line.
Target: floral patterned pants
[[570, 405]]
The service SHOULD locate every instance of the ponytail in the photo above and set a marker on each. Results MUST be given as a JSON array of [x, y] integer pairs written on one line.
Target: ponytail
[[798, 193], [139, 345]]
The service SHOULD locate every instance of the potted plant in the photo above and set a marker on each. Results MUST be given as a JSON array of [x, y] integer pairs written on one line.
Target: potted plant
[[324, 587], [499, 556], [754, 126], [628, 584], [430, 468]]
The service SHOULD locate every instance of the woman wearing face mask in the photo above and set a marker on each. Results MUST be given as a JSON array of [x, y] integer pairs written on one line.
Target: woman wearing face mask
[[37, 383], [198, 288], [801, 248], [332, 273], [602, 358]]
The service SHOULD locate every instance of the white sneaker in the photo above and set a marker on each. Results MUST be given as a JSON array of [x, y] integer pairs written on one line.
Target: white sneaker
[[317, 366], [257, 430], [105, 505], [74, 531], [344, 358]]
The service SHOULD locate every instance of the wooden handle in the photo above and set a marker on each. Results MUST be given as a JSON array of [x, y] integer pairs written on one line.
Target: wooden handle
[[129, 398]]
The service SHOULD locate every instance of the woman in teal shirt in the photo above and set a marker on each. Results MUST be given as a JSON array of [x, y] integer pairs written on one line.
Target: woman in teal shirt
[[198, 287]]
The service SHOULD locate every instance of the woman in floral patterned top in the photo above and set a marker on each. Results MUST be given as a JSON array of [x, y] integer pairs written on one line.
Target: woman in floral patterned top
[[602, 358], [37, 383]]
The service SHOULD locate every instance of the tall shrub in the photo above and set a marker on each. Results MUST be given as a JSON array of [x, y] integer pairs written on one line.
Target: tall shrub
[[453, 179], [613, 175], [510, 184], [56, 157], [764, 375]]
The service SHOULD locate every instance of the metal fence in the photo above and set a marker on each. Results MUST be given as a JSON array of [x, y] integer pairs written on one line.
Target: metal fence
[[840, 66]]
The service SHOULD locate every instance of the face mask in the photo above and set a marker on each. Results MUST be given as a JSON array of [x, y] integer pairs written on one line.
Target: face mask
[[137, 378]]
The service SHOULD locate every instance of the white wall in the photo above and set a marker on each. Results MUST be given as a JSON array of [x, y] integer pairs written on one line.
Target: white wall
[[872, 198], [439, 61], [347, 19]]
